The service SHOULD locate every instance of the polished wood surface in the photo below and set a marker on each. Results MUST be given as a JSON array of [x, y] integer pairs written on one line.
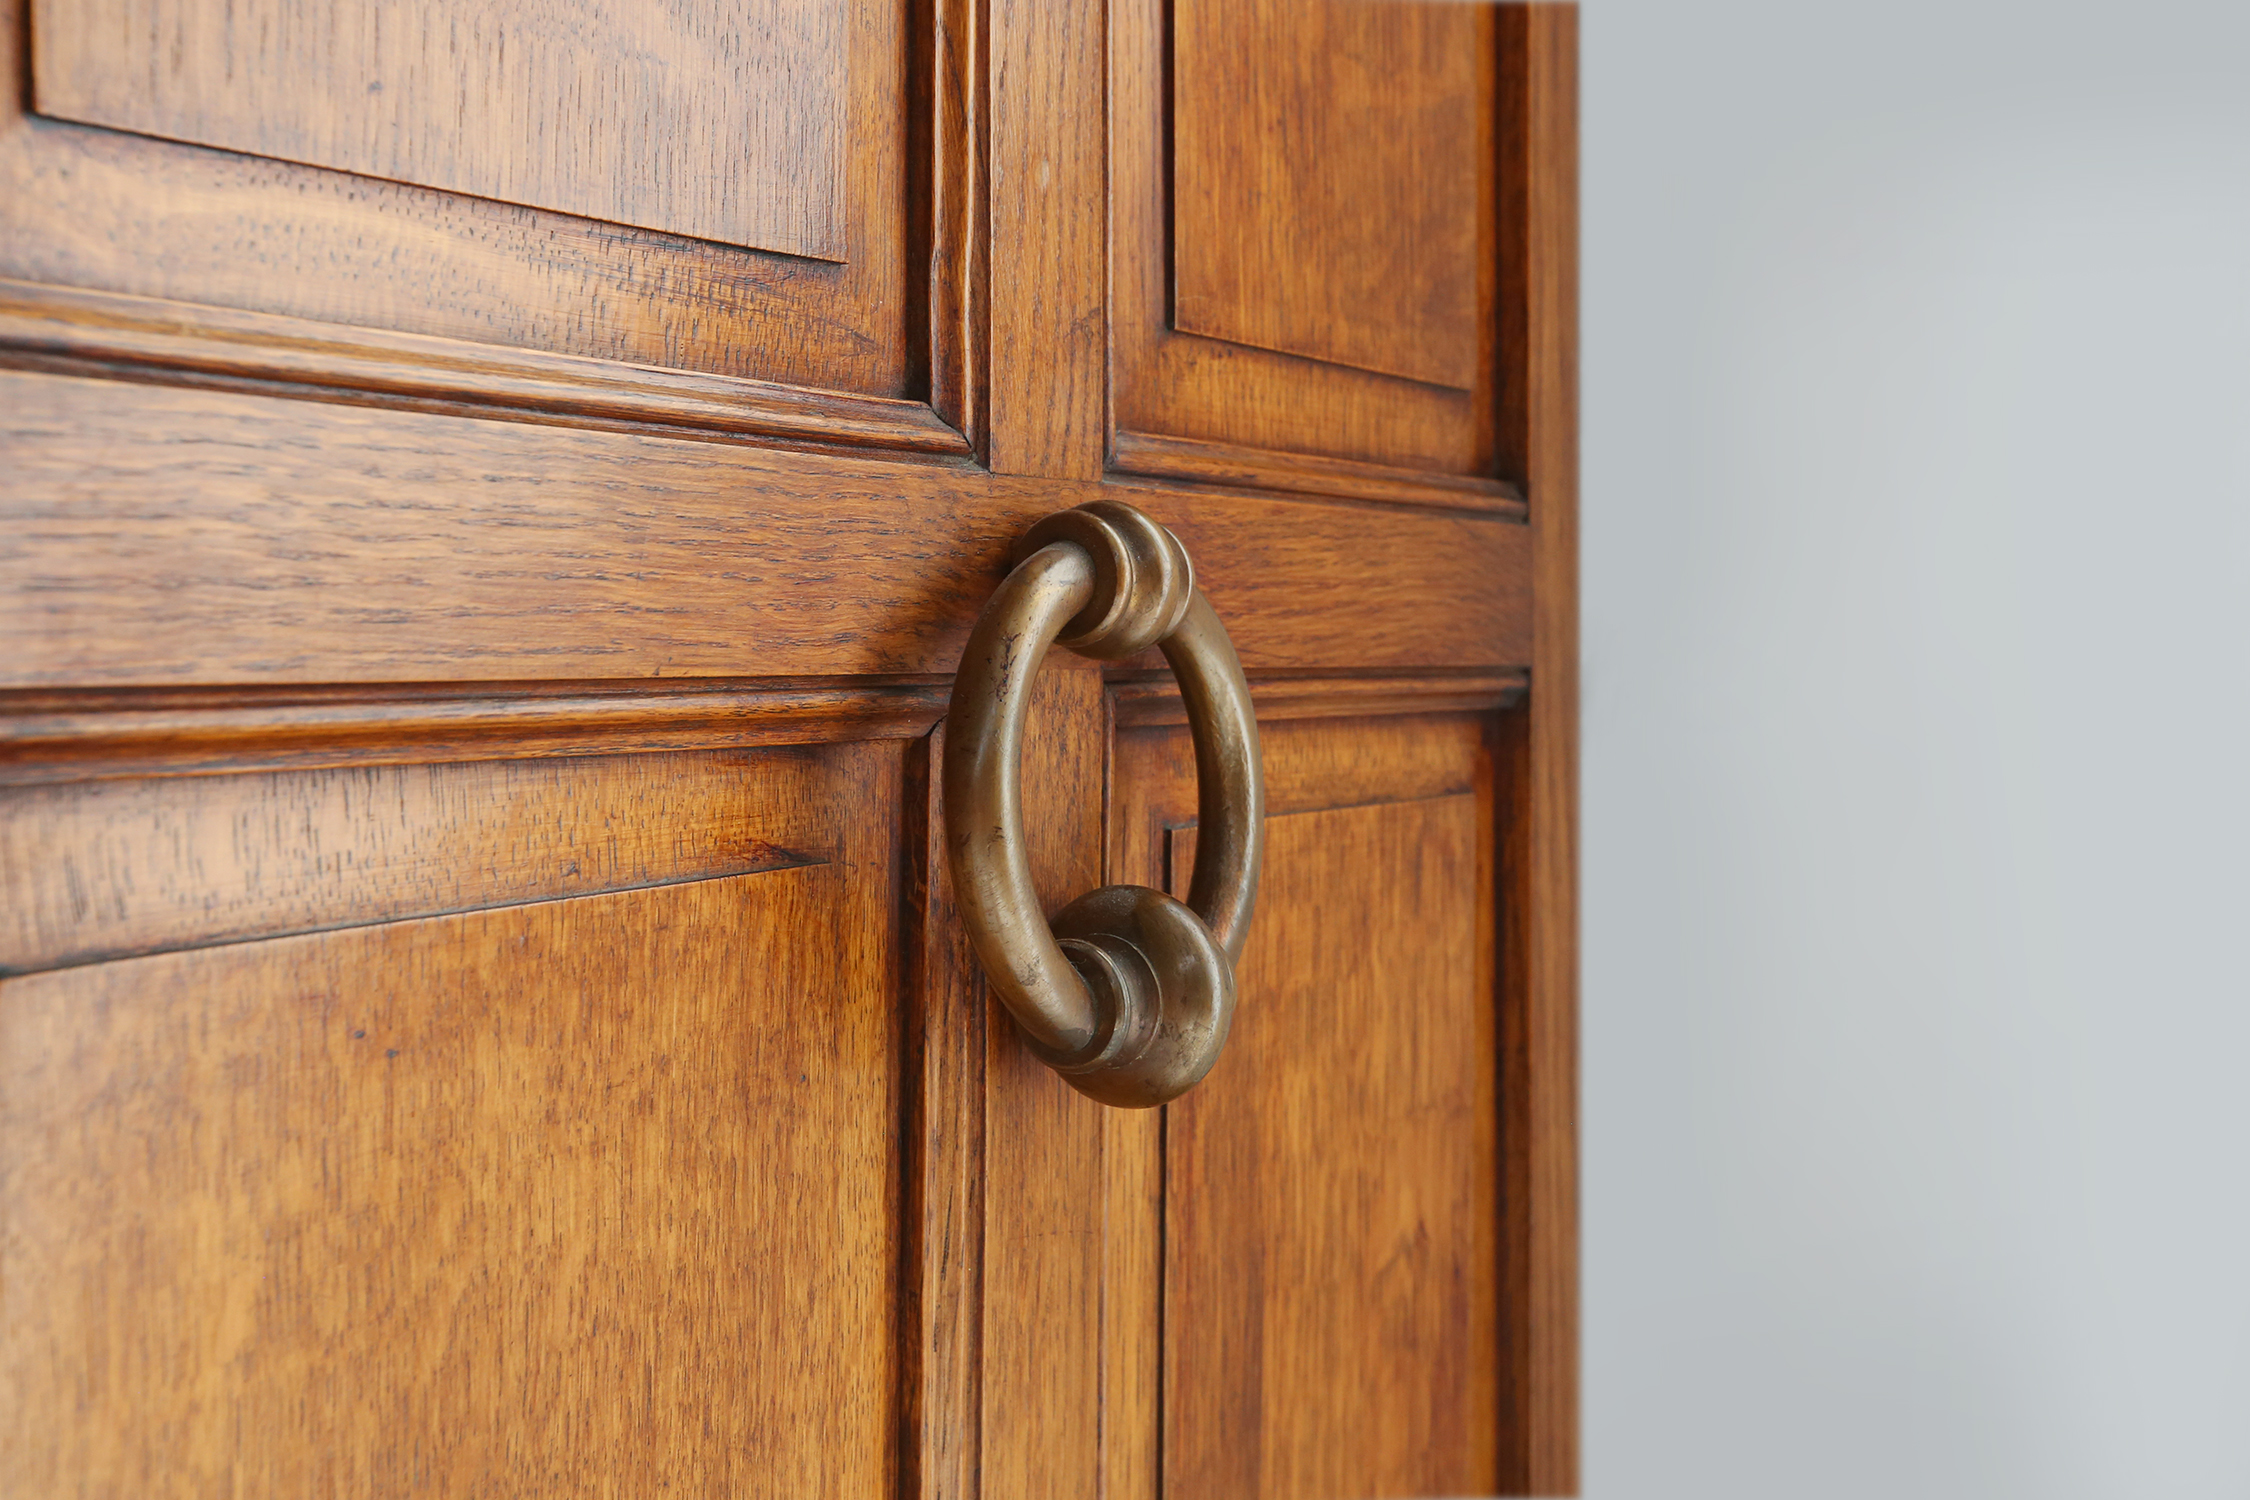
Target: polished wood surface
[[1537, 764], [1325, 166], [147, 339], [607, 112], [1047, 292], [1045, 1241], [523, 636], [187, 862], [167, 535], [1330, 1314], [109, 211], [1137, 699], [1331, 1205], [1171, 382], [1202, 461], [551, 1198], [941, 1419], [86, 733]]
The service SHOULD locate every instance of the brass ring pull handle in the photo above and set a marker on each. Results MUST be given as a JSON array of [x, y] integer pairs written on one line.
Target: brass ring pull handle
[[1130, 994]]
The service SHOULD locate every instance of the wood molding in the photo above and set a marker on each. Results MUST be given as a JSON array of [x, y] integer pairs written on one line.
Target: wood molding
[[177, 343], [1201, 461], [191, 861], [1537, 756], [1163, 380], [1150, 699], [942, 1311], [76, 736], [959, 296]]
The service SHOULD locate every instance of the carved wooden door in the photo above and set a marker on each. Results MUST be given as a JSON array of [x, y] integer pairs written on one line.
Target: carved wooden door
[[495, 495]]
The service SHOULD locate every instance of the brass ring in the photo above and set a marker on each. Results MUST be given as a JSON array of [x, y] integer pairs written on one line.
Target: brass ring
[[1129, 995]]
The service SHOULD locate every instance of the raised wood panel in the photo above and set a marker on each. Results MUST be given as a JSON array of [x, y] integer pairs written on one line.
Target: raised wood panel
[[1184, 401], [1358, 1097], [68, 735], [105, 210], [719, 125], [98, 869], [556, 1199], [1332, 1207], [1325, 166], [155, 534], [1310, 764]]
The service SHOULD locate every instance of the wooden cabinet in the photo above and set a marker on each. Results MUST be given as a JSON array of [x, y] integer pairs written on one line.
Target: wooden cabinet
[[494, 497]]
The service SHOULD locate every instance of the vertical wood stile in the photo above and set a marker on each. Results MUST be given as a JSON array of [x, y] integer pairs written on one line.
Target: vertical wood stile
[[1538, 174], [1044, 1151], [945, 1168], [1049, 335]]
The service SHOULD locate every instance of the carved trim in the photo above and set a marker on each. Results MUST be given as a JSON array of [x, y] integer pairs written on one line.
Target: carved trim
[[180, 343], [959, 383], [1198, 460], [1150, 699], [85, 735]]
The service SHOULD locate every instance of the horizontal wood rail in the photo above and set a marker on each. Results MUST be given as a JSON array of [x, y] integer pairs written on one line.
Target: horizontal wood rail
[[1148, 699], [77, 736], [70, 331], [200, 537], [1200, 461]]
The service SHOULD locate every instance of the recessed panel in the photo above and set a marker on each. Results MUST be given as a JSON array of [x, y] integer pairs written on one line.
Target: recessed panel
[[1326, 180], [1331, 1189], [560, 1199], [721, 123], [557, 1193]]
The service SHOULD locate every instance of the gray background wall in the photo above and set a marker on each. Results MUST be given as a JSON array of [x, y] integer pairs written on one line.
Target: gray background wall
[[1917, 766]]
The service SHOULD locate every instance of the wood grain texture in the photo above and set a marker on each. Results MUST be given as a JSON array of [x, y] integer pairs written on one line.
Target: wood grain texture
[[1325, 166], [1332, 1199], [941, 1424], [1311, 765], [560, 1200], [1205, 462], [164, 535], [1140, 699], [101, 869], [67, 735], [958, 203], [1045, 1158], [726, 127], [1132, 1456], [143, 338], [1413, 857], [1537, 761], [1046, 283], [107, 211], [305, 625], [1171, 383]]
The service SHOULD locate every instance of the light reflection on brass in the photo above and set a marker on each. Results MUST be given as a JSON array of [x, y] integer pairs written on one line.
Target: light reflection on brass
[[1130, 994]]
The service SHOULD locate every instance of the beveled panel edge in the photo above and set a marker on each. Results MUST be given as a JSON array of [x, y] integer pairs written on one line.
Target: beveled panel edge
[[1150, 699], [79, 735], [183, 343], [956, 206], [1202, 460], [127, 77]]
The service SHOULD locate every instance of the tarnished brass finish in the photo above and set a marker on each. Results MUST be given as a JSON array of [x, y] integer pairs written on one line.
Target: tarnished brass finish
[[1130, 994]]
